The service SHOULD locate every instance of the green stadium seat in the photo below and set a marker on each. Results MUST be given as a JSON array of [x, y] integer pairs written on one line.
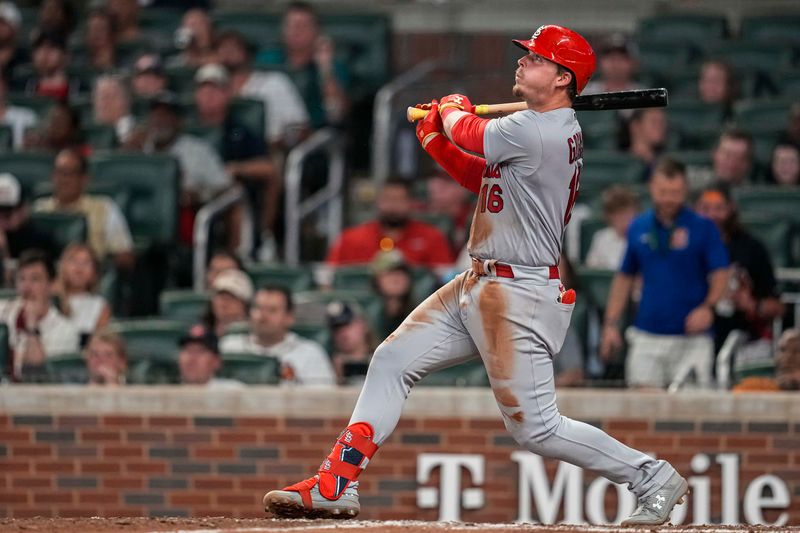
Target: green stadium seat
[[596, 284], [589, 226], [762, 113], [778, 202], [68, 368], [682, 28], [788, 83], [100, 136], [316, 333], [469, 374], [150, 339], [771, 28], [599, 135], [746, 55], [5, 350], [693, 158], [663, 57], [293, 278], [146, 188], [38, 104], [64, 228], [606, 168], [310, 305], [775, 233], [184, 305], [691, 115], [160, 20], [250, 369], [181, 79], [209, 134], [261, 29], [6, 138], [249, 113], [30, 168], [352, 277]]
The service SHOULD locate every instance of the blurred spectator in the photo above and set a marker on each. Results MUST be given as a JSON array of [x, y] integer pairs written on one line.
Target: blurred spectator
[[36, 329], [751, 301], [18, 119], [199, 359], [107, 228], [202, 172], [100, 41], [221, 260], [717, 85], [618, 64], [244, 152], [792, 133], [445, 196], [111, 105], [303, 361], [16, 231], [125, 15], [420, 243], [56, 16], [784, 168], [195, 39], [353, 342], [647, 135], [148, 79], [10, 21], [393, 281], [787, 368], [732, 157], [77, 286], [286, 114], [683, 264], [60, 130], [620, 207], [310, 58], [106, 359], [50, 68], [231, 294]]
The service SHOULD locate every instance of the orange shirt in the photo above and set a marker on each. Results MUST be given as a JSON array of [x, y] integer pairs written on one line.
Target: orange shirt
[[421, 245]]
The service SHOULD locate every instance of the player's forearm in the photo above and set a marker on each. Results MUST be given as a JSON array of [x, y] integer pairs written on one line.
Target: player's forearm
[[618, 296], [717, 287], [465, 129], [466, 169]]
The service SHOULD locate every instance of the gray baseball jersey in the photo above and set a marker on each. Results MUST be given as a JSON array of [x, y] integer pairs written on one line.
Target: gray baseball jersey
[[533, 163]]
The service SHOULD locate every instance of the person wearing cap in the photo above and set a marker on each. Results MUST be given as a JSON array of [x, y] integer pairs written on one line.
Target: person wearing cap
[[287, 118], [17, 118], [50, 61], [303, 361], [231, 294], [243, 151], [353, 341], [392, 280], [199, 359], [17, 233], [10, 21], [36, 329], [752, 300], [618, 63], [148, 79], [111, 105], [108, 232]]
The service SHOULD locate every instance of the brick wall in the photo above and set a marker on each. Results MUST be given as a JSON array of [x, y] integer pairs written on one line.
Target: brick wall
[[126, 464]]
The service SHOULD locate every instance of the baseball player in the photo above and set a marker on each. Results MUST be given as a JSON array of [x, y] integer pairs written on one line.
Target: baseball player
[[510, 308]]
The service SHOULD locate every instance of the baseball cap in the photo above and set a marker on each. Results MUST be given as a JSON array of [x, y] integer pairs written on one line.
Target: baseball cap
[[341, 313], [148, 63], [10, 14], [618, 42], [201, 334], [386, 261], [166, 99], [10, 191], [212, 73], [235, 282]]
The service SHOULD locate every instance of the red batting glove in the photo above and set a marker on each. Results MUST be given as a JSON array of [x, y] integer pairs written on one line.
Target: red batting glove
[[455, 101], [430, 126]]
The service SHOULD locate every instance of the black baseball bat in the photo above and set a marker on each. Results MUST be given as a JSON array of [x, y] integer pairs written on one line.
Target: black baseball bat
[[621, 100]]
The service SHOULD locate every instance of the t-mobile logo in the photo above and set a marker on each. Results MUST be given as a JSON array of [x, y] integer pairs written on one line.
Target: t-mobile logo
[[449, 497]]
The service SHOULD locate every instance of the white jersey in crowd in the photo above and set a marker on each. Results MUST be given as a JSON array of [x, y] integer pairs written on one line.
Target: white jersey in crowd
[[533, 163]]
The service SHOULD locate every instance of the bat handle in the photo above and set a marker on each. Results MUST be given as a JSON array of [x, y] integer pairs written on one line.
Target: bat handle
[[414, 114]]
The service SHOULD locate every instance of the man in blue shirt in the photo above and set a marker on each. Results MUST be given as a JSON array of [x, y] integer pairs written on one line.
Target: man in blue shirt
[[683, 263]]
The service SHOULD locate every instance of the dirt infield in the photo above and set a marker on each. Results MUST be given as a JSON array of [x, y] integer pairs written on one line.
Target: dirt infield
[[233, 525]]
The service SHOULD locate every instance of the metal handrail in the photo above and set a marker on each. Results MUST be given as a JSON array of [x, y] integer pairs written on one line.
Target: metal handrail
[[329, 140], [382, 117], [202, 230], [725, 357]]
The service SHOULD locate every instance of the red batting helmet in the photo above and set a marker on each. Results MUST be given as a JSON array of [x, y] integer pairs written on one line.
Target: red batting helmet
[[563, 47]]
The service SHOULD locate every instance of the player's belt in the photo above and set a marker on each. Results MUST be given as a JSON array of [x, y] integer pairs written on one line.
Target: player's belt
[[488, 267]]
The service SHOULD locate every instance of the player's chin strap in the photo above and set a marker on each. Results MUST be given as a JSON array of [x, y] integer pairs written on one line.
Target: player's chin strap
[[350, 454]]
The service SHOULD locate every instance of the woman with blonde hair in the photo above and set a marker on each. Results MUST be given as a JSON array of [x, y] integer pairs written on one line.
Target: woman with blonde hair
[[76, 286], [106, 358]]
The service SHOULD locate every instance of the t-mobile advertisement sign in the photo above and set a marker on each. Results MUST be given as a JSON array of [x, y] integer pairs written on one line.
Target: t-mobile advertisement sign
[[546, 498]]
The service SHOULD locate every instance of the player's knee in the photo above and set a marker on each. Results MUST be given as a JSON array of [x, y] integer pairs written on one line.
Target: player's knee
[[533, 436]]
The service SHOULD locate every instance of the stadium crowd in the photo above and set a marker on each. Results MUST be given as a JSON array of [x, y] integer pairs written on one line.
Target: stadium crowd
[[719, 168]]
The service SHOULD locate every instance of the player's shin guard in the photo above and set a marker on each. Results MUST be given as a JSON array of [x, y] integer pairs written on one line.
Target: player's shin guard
[[349, 456]]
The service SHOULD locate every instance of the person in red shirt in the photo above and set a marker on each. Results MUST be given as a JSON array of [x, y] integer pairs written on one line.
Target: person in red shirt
[[421, 244]]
